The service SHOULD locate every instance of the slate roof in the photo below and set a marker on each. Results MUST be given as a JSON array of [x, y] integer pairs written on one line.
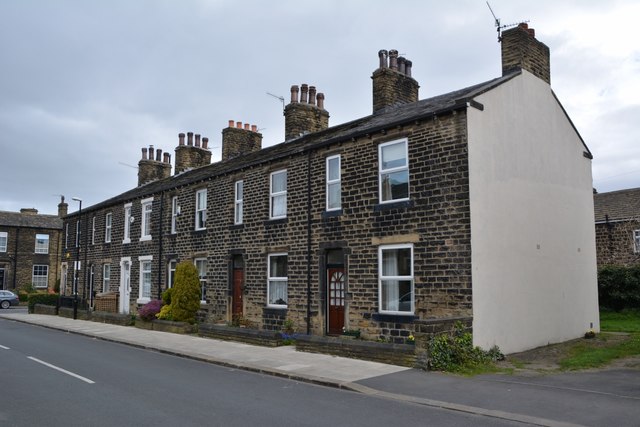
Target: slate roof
[[388, 117], [17, 219], [619, 205]]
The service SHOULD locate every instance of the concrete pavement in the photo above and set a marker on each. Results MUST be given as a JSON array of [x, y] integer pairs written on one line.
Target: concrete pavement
[[600, 398]]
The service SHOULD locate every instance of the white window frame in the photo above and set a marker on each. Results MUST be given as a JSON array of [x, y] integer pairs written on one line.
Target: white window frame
[[93, 230], [106, 277], [77, 233], [127, 224], [174, 214], [636, 241], [145, 213], [201, 210], [277, 194], [333, 182], [382, 278], [238, 202], [171, 272], [4, 239], [36, 279], [202, 275], [42, 248], [271, 279], [382, 172], [108, 221], [146, 267], [66, 236]]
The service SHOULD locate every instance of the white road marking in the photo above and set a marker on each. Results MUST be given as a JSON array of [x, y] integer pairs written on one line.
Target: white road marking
[[87, 380], [5, 348]]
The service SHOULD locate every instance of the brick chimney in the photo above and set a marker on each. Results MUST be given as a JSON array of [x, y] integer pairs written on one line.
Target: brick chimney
[[191, 155], [237, 140], [521, 50], [63, 208], [392, 82], [306, 113], [150, 169]]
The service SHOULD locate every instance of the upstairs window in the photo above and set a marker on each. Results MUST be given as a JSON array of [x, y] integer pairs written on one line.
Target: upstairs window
[[636, 241], [395, 272], [278, 199], [394, 171], [77, 233], [201, 209], [93, 230], [66, 235], [239, 188], [127, 223], [42, 243], [145, 226], [174, 214], [3, 241], [333, 183], [107, 228], [277, 280]]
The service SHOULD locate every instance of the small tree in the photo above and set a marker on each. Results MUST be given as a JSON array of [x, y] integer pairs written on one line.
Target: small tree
[[185, 297]]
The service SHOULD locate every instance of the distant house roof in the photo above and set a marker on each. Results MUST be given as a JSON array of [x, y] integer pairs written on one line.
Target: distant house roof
[[617, 205], [28, 220]]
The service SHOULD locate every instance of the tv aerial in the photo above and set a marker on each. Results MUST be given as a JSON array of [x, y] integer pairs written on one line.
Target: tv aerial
[[281, 98], [499, 26]]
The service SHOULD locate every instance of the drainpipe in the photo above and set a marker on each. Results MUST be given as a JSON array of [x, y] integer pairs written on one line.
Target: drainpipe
[[309, 242], [85, 236], [15, 258], [160, 262]]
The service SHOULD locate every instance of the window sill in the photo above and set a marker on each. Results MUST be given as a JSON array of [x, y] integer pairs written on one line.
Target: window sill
[[236, 227], [145, 239], [126, 241], [143, 300], [331, 214], [393, 205], [394, 318], [275, 221]]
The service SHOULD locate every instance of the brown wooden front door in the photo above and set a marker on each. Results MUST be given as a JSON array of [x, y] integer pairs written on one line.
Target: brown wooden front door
[[336, 287], [238, 280]]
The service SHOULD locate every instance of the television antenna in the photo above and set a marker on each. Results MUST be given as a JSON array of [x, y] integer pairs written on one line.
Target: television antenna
[[281, 98], [127, 165], [499, 26]]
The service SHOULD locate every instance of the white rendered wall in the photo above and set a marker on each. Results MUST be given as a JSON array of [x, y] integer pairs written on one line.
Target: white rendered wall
[[532, 227]]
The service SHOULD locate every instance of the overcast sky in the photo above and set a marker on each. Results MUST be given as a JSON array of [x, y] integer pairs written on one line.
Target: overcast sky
[[84, 85]]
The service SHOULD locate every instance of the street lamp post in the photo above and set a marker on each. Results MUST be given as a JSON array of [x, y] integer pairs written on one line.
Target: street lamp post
[[76, 267]]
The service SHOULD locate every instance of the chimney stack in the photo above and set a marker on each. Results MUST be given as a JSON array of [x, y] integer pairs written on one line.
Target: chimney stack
[[306, 114], [238, 140], [191, 156], [63, 208], [521, 50], [150, 169], [392, 82]]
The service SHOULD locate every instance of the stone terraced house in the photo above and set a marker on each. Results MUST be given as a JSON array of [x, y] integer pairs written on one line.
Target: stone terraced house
[[474, 205], [617, 215]]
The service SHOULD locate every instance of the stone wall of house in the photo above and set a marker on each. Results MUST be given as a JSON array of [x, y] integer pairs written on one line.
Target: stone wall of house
[[615, 245]]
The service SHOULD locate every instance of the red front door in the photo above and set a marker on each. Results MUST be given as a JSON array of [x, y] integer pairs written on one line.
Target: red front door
[[238, 280], [335, 297]]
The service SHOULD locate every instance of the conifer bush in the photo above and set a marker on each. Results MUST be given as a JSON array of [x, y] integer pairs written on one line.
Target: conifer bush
[[185, 297]]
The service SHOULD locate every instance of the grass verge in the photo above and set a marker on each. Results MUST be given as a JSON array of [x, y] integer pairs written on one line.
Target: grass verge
[[622, 321]]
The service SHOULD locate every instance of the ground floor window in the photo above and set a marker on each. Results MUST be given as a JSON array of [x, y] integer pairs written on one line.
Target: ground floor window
[[277, 282], [201, 265], [396, 279], [636, 241], [106, 277], [171, 275], [145, 279], [40, 277]]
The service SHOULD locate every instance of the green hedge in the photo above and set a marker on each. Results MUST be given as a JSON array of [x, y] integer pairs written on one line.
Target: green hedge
[[45, 299], [619, 287]]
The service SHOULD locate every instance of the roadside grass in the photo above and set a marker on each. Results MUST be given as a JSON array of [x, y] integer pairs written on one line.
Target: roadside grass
[[606, 347]]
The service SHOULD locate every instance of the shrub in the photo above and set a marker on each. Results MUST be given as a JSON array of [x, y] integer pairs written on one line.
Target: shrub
[[149, 311], [165, 313], [185, 297], [45, 299], [455, 352], [166, 296], [619, 287]]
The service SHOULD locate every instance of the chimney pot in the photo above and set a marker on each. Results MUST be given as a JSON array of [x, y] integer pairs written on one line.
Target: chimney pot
[[393, 59], [239, 125], [231, 123], [247, 126], [382, 54], [294, 93], [151, 152], [407, 67], [303, 93], [197, 140], [167, 158], [181, 139], [144, 153], [401, 64], [320, 99], [205, 142], [189, 138], [254, 128], [312, 95], [158, 155]]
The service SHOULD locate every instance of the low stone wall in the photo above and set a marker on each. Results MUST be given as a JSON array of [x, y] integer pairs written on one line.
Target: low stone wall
[[45, 309], [394, 354], [166, 326], [111, 318], [246, 335], [68, 312]]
